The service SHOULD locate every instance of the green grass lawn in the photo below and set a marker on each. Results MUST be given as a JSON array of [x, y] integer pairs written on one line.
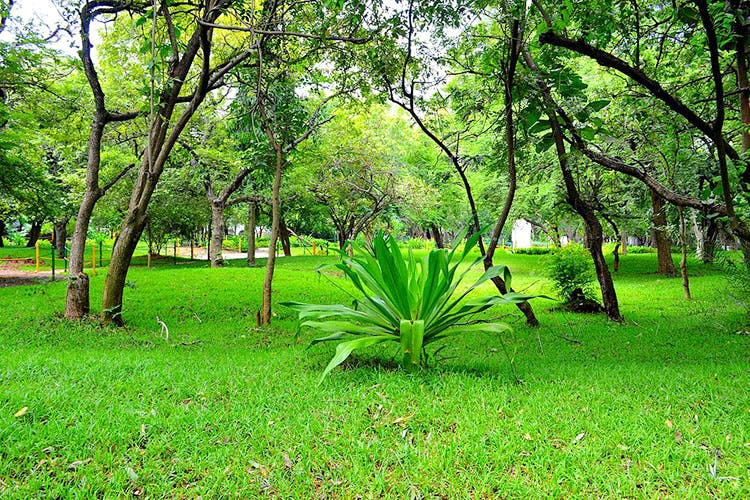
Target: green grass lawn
[[659, 406]]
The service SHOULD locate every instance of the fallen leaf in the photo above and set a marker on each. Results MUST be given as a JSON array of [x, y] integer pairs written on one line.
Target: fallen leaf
[[21, 412], [678, 436], [579, 437], [527, 436], [287, 461], [623, 447], [78, 463], [668, 423], [131, 474]]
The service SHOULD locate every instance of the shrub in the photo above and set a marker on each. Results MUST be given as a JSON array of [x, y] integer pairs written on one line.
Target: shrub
[[417, 243], [738, 277], [404, 300], [570, 269], [533, 251], [636, 249]]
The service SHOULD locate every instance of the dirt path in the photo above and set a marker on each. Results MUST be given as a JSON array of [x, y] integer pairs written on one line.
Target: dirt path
[[16, 277], [199, 253], [10, 275]]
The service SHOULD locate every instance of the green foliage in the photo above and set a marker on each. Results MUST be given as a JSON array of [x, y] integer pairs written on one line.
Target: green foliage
[[738, 277], [533, 251], [570, 268], [417, 243], [639, 250], [410, 301]]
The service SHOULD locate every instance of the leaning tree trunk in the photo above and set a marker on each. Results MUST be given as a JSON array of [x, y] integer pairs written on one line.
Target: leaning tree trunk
[[510, 137], [437, 236], [34, 232], [592, 226], [683, 249], [265, 316], [61, 234], [114, 286], [250, 232], [595, 239], [2, 233], [217, 236], [661, 236], [624, 242], [286, 243]]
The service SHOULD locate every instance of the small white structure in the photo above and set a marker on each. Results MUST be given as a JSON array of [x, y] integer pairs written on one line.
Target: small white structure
[[521, 235], [564, 240]]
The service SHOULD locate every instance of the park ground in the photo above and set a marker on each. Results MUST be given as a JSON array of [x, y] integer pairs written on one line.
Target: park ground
[[658, 406]]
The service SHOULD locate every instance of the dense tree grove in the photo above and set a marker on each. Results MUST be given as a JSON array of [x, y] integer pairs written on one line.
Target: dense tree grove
[[610, 123]]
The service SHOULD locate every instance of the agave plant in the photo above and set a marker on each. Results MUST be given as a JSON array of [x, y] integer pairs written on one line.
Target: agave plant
[[407, 300]]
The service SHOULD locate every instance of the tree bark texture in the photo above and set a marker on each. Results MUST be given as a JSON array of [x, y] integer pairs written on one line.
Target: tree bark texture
[[217, 235], [77, 303], [265, 315], [61, 235], [34, 232], [661, 236], [284, 236], [683, 248], [437, 236], [250, 232]]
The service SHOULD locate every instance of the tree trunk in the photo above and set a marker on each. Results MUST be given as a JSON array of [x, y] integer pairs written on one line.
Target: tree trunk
[[77, 302], [342, 237], [661, 236], [217, 239], [510, 137], [592, 226], [77, 296], [683, 260], [2, 233], [710, 238], [33, 235], [250, 233], [265, 316], [624, 242], [286, 244], [437, 236], [114, 286], [698, 233], [595, 238], [616, 254], [556, 238], [61, 234]]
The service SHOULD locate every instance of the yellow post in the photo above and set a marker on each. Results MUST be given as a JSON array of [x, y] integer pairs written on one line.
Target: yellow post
[[178, 247], [313, 249], [93, 259], [239, 244], [37, 256]]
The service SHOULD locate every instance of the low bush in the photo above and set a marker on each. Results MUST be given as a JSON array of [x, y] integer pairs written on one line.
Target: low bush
[[533, 251], [637, 249], [570, 269]]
